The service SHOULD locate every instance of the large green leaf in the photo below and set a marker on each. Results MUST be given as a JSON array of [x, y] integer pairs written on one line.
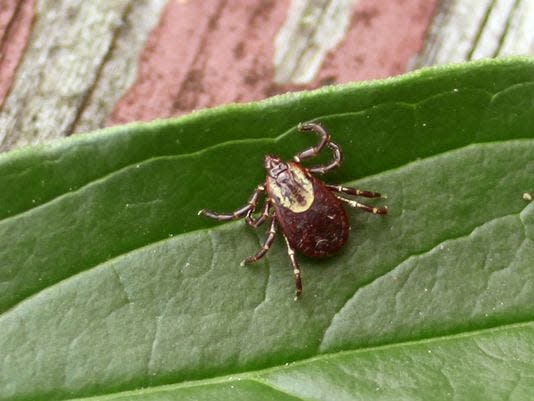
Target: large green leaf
[[109, 281]]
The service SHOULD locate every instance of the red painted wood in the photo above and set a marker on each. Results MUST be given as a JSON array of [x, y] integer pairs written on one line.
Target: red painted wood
[[16, 18], [205, 53], [382, 39]]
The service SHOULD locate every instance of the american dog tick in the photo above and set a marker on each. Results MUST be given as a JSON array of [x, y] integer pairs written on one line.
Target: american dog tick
[[309, 212]]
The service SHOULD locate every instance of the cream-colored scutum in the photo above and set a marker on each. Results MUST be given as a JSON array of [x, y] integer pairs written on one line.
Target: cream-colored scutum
[[295, 194]]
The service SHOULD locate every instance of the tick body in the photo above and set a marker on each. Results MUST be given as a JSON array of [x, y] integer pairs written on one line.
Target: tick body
[[308, 212]]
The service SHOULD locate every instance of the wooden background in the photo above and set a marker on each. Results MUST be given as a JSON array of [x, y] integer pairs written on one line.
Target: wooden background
[[72, 66]]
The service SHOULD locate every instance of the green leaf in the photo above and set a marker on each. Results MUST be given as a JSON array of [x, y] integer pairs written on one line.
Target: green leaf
[[110, 282]]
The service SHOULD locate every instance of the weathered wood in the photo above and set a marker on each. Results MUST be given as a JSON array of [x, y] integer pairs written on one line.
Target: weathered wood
[[83, 56], [311, 29], [204, 53], [79, 60], [470, 30], [15, 24], [120, 68], [231, 54]]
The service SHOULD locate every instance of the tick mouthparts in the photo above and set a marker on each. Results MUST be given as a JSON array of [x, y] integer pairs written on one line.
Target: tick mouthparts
[[270, 161]]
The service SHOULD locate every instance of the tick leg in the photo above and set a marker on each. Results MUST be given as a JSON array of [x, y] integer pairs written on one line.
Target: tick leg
[[296, 269], [367, 208], [266, 246], [239, 213], [256, 222], [325, 138], [325, 141], [338, 157], [354, 191]]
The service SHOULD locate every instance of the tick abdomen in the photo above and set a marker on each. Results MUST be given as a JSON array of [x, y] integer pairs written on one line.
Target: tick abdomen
[[312, 218]]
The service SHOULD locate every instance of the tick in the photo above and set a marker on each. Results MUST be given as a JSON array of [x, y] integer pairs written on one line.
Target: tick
[[308, 212]]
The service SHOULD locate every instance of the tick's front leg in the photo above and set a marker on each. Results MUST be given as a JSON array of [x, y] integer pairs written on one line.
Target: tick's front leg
[[296, 269], [314, 151], [239, 213], [338, 157], [256, 222]]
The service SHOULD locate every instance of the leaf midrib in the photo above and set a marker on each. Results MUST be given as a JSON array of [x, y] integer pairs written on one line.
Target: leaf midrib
[[254, 375]]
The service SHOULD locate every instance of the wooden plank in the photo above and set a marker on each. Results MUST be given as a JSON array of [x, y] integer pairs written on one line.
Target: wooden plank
[[230, 54], [310, 31], [120, 68], [204, 53], [61, 74], [15, 24], [471, 30], [519, 38], [82, 57]]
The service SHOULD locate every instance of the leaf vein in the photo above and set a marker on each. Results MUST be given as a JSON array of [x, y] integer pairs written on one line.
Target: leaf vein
[[278, 389], [321, 347]]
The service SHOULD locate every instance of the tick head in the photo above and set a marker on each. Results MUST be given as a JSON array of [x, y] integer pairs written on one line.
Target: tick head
[[274, 165]]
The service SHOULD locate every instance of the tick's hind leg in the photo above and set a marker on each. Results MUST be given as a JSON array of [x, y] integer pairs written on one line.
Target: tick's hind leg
[[239, 213], [367, 208], [266, 246], [354, 191], [296, 269]]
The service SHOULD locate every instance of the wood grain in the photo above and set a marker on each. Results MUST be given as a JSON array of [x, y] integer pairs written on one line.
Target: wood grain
[[89, 64], [471, 30], [82, 57], [15, 24], [310, 31], [242, 50], [77, 49]]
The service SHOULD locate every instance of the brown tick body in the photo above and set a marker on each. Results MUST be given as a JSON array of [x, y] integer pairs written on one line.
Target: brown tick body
[[310, 216], [309, 212]]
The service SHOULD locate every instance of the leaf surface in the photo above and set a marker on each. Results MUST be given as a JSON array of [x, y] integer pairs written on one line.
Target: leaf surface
[[110, 282]]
